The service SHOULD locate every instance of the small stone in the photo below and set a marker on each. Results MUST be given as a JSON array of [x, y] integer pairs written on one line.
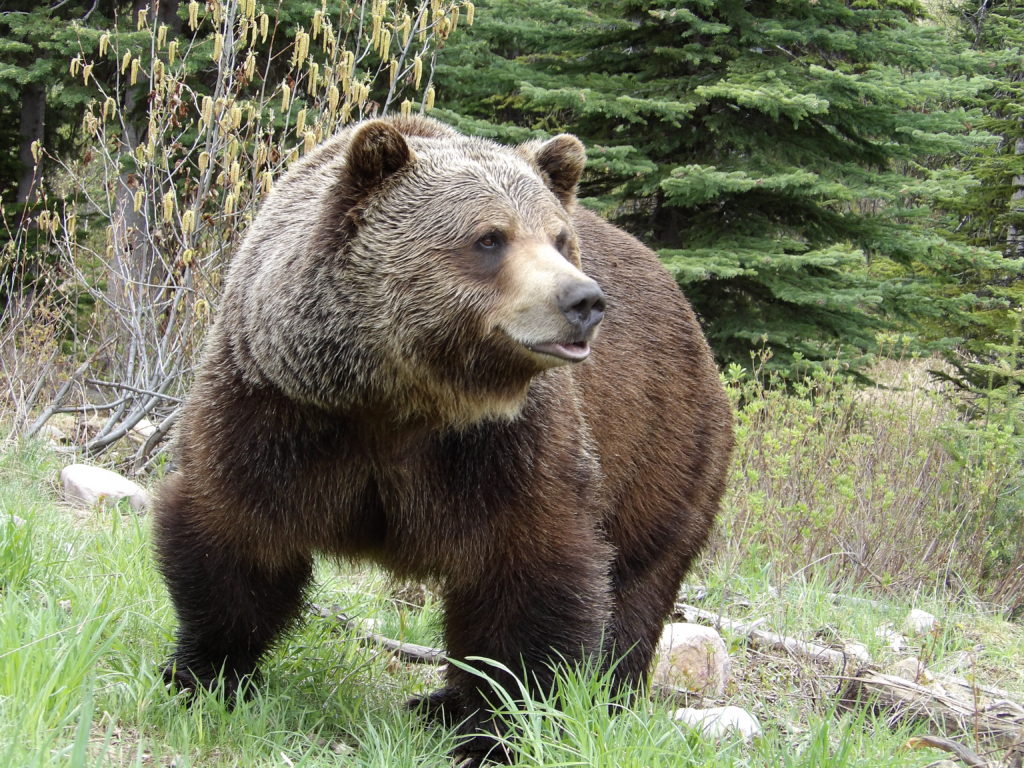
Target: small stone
[[143, 429], [911, 668], [920, 622], [858, 651], [86, 486], [52, 434], [895, 640], [692, 657], [720, 722]]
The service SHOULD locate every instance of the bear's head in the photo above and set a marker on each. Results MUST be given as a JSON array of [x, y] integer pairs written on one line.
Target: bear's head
[[447, 271]]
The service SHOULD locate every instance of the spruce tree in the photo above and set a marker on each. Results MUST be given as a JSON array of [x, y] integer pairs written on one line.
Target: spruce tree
[[39, 101], [774, 153], [990, 354]]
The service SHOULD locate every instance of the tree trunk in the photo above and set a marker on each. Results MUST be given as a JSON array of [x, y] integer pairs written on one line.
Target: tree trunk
[[33, 117], [1014, 233]]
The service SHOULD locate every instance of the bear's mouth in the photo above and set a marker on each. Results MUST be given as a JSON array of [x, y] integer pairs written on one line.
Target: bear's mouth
[[572, 351]]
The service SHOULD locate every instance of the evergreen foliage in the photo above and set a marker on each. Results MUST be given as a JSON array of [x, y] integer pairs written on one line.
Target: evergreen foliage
[[775, 153], [37, 40], [991, 215]]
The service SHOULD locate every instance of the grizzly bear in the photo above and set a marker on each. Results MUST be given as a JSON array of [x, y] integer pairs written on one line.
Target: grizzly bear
[[428, 356]]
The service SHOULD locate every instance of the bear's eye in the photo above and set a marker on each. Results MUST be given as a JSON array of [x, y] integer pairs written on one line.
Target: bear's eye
[[490, 241]]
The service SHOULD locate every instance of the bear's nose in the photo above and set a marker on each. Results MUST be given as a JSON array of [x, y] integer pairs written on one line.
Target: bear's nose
[[582, 303]]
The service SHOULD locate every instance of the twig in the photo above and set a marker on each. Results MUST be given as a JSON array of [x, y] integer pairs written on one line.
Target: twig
[[137, 390], [411, 652], [966, 756], [93, 407], [158, 434], [33, 395], [62, 393]]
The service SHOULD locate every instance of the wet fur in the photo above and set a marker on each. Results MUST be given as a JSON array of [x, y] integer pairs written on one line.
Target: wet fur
[[361, 409]]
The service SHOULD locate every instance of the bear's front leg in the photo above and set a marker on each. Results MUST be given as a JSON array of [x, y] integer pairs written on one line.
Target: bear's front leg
[[231, 606], [540, 600]]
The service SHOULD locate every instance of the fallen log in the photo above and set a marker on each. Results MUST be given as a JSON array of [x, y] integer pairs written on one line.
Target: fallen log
[[1000, 721], [950, 703], [410, 652], [765, 639]]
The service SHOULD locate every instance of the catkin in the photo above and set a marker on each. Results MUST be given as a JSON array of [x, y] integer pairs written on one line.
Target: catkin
[[314, 78]]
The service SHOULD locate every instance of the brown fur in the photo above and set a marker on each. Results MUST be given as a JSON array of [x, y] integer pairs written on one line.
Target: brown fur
[[371, 389]]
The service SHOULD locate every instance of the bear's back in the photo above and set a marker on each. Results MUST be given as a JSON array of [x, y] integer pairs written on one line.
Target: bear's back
[[651, 392]]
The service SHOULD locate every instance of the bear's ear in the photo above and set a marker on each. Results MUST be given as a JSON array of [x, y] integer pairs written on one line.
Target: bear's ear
[[561, 161], [375, 152]]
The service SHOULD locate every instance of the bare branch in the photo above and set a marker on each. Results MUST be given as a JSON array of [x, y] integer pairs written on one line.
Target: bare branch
[[137, 390], [59, 398], [411, 652]]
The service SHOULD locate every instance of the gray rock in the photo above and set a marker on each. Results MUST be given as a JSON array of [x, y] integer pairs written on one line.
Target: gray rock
[[920, 622], [86, 485], [720, 722], [693, 657]]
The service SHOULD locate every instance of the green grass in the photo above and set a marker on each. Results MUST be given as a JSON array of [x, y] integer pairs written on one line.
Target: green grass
[[85, 624]]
